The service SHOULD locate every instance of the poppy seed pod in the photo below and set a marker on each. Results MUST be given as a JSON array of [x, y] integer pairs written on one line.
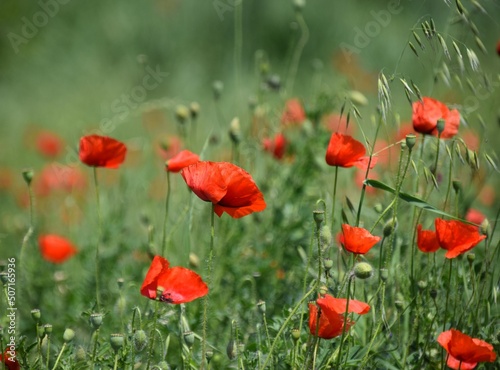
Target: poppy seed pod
[[235, 130], [182, 113], [471, 257], [295, 334], [140, 340], [485, 227], [209, 355], [188, 338], [261, 305], [422, 284], [47, 329], [96, 320], [36, 314], [68, 335], [440, 125], [323, 290], [363, 270], [433, 293], [4, 277], [319, 217], [411, 140], [327, 263], [116, 341], [28, 175]]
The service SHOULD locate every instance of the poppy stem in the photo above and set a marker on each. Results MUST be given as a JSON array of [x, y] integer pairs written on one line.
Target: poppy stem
[[26, 239], [58, 356], [434, 169], [344, 331], [208, 281], [152, 334], [334, 197], [304, 37], [447, 296], [94, 350], [165, 220], [99, 236]]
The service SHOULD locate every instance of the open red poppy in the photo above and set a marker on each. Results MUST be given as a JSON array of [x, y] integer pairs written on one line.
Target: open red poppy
[[276, 146], [180, 160], [331, 320], [55, 248], [102, 151], [179, 284], [294, 113], [56, 177], [49, 144], [230, 188], [426, 240], [465, 352], [456, 237], [427, 112], [9, 359], [357, 240], [344, 151]]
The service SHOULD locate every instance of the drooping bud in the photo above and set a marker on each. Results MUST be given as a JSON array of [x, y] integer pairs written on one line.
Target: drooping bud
[[68, 335], [140, 340], [457, 186], [231, 349], [363, 270], [378, 208], [410, 140], [390, 226], [116, 341]]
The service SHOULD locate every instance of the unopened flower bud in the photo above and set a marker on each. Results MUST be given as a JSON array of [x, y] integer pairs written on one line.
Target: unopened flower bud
[[194, 109], [390, 226], [440, 125], [319, 217], [140, 340], [36, 314], [433, 293], [181, 113], [323, 290], [457, 186], [378, 208], [120, 282], [80, 354], [194, 260], [485, 227], [261, 305], [471, 257], [327, 263], [68, 335], [422, 284], [231, 349], [96, 320], [326, 235], [209, 355], [399, 305], [235, 130], [28, 175], [295, 334], [116, 341], [4, 277], [217, 88], [188, 338], [363, 270], [410, 140], [273, 82], [384, 275]]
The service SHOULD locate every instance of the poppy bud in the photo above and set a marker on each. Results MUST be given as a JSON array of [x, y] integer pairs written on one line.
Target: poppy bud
[[326, 235], [235, 130], [422, 284], [399, 305], [319, 217], [274, 82], [440, 125], [80, 354], [384, 275], [327, 263], [433, 293], [181, 113], [390, 226], [378, 208], [188, 338], [140, 340], [261, 305], [4, 277], [485, 227], [36, 314], [471, 257], [217, 88], [323, 290], [47, 329], [194, 260], [295, 334], [68, 335], [96, 320], [28, 175], [120, 282], [194, 109], [358, 98], [457, 186], [116, 341], [411, 140], [363, 270], [209, 355], [231, 349]]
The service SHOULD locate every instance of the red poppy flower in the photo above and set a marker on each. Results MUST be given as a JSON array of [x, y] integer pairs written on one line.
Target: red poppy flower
[[181, 160], [465, 352], [427, 113], [294, 113], [344, 151], [357, 240], [102, 151], [179, 284], [456, 237], [55, 248], [56, 177], [474, 216], [230, 188], [9, 358], [331, 320], [276, 146], [426, 240], [49, 144]]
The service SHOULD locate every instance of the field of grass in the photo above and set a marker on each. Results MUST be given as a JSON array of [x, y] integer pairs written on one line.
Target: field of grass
[[280, 89]]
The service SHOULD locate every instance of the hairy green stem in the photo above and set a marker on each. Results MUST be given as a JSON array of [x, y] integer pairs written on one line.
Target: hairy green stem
[[165, 220]]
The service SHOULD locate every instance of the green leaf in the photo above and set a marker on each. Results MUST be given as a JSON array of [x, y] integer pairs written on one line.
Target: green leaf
[[414, 201]]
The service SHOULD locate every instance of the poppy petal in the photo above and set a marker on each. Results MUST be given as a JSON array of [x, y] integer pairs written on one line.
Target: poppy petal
[[182, 159], [426, 240], [102, 151], [343, 151], [206, 181], [55, 248], [456, 237], [181, 285], [149, 285]]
